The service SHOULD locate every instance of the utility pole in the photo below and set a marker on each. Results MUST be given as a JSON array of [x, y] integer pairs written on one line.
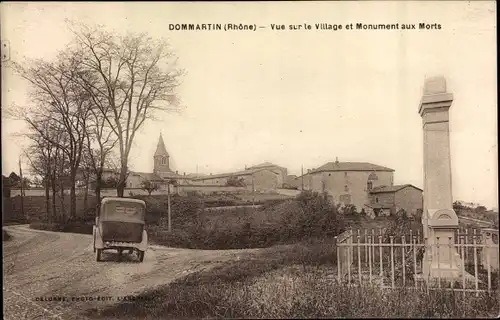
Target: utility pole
[[302, 176], [169, 210], [22, 187]]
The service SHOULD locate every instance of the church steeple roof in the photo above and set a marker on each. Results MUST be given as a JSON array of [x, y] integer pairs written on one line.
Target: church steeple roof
[[160, 148]]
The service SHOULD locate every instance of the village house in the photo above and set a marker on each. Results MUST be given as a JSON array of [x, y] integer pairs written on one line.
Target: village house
[[258, 179], [367, 186], [282, 172], [387, 200], [348, 182]]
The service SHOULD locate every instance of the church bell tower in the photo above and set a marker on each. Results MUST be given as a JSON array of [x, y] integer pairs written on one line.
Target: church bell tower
[[161, 158]]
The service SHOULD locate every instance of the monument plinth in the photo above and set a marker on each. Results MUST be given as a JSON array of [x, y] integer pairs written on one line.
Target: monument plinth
[[439, 219]]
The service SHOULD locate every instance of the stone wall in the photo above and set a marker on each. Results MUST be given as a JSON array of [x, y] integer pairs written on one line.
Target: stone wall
[[34, 207]]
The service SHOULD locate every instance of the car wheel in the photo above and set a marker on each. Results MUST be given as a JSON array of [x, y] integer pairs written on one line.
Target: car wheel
[[98, 255], [141, 256]]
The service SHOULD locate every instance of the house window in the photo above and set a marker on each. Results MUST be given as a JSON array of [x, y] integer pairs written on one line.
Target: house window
[[346, 188], [369, 185], [329, 174], [345, 174], [373, 176], [376, 200], [345, 199]]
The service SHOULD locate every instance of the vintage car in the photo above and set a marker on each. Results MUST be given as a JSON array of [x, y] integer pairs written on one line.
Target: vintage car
[[120, 225]]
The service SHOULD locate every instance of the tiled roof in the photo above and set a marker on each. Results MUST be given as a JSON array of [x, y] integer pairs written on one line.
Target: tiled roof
[[235, 174], [264, 165], [147, 175], [173, 175], [395, 188], [349, 166]]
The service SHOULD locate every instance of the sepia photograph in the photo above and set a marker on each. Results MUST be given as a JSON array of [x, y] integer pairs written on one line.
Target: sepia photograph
[[247, 160]]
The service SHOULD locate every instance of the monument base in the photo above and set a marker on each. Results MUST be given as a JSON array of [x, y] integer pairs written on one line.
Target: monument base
[[449, 278]]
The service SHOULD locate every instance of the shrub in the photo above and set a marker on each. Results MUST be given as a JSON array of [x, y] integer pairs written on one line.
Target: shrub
[[73, 226], [277, 222], [40, 225]]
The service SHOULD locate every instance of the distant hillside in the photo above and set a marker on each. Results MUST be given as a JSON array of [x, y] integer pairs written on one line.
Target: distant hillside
[[489, 215]]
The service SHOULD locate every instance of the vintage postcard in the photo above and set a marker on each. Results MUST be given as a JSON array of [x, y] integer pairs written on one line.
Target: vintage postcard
[[171, 160]]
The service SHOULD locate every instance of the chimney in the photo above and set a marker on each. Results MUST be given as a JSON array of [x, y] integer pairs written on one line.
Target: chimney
[[176, 172], [184, 173], [308, 170], [336, 160], [210, 173]]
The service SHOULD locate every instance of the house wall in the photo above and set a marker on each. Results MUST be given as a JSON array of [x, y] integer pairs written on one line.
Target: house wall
[[262, 180], [109, 174], [134, 181], [212, 181], [266, 180], [410, 199], [335, 182], [386, 199]]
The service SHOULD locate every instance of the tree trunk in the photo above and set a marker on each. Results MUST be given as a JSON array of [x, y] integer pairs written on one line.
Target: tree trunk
[[98, 182], [72, 196], [54, 194], [120, 188], [47, 199], [86, 196], [63, 211]]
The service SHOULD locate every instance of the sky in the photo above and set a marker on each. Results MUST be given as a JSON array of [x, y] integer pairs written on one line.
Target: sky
[[295, 98]]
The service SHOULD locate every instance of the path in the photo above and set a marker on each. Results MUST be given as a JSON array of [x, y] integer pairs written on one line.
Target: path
[[49, 265]]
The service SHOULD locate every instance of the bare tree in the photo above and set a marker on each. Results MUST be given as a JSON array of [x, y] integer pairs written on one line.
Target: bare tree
[[39, 155], [149, 186], [133, 76], [61, 105], [100, 143]]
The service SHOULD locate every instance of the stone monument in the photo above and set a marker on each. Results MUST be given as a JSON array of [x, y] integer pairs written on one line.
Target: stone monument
[[439, 219]]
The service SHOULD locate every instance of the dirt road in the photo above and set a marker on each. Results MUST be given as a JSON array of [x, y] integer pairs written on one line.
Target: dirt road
[[42, 265]]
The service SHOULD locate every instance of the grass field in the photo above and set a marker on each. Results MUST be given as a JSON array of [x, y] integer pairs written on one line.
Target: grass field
[[294, 281]]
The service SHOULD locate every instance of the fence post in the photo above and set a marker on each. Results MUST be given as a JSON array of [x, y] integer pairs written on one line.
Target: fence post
[[488, 262], [349, 258], [438, 262], [392, 261], [413, 240], [474, 241], [339, 263], [370, 258], [462, 245], [403, 243], [359, 260], [366, 247], [450, 250], [427, 247], [381, 259], [466, 241]]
